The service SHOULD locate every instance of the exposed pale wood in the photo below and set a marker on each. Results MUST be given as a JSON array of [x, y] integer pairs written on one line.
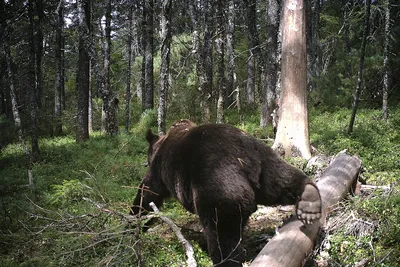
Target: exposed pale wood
[[290, 246]]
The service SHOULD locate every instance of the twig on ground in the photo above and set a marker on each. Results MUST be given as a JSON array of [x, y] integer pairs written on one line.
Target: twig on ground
[[191, 261]]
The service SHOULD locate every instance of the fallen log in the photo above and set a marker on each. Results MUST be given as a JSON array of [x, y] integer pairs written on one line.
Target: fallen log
[[294, 241]]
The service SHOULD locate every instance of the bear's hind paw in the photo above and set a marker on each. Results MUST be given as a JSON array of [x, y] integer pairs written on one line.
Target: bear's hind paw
[[310, 204]]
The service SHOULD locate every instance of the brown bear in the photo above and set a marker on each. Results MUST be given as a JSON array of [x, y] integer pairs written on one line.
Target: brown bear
[[221, 173]]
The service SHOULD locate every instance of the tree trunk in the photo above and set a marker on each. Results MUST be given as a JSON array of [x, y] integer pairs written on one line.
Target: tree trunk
[[129, 67], [82, 76], [148, 88], [292, 138], [9, 63], [386, 62], [360, 65], [269, 94], [220, 47], [164, 70], [207, 85], [202, 40], [39, 51], [59, 80], [109, 122], [295, 241], [32, 104], [252, 40], [90, 105], [230, 51]]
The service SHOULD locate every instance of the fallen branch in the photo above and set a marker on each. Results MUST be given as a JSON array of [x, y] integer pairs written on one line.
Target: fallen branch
[[294, 241], [370, 188], [191, 261], [127, 217]]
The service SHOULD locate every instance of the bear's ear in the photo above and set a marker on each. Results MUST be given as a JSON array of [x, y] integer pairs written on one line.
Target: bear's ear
[[151, 137]]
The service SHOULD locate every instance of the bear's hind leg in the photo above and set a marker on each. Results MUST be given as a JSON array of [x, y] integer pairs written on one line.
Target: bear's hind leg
[[224, 237]]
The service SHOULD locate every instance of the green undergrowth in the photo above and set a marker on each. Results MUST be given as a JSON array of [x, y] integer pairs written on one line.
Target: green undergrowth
[[368, 225], [73, 216]]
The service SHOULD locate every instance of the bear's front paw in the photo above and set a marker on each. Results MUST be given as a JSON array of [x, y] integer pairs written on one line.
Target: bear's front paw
[[310, 205]]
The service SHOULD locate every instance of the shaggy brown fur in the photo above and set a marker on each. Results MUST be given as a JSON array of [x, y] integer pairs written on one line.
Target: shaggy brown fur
[[221, 173]]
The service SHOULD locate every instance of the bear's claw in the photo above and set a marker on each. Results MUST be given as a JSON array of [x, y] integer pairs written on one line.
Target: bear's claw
[[310, 205]]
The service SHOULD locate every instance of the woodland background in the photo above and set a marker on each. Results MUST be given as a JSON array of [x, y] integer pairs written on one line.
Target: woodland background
[[81, 81]]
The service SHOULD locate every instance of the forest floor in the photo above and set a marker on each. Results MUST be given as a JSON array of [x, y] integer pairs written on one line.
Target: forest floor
[[74, 215]]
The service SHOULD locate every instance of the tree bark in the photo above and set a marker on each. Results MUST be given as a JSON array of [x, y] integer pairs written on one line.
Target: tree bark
[[164, 70], [269, 92], [59, 80], [386, 70], [33, 104], [109, 122], [252, 40], [292, 138], [230, 53], [82, 76], [202, 17], [294, 240], [39, 51], [220, 47], [360, 65], [148, 88], [129, 67]]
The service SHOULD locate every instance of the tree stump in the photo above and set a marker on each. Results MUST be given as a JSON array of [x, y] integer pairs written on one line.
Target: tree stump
[[294, 241]]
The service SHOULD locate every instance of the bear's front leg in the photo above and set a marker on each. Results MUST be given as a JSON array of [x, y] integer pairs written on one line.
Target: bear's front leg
[[309, 207]]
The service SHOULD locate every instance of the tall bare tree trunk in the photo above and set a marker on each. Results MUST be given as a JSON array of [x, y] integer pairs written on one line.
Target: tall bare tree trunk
[[109, 122], [202, 17], [252, 40], [220, 47], [164, 70], [230, 51], [59, 80], [360, 65], [39, 51], [90, 105], [129, 67], [148, 88], [33, 105], [292, 138], [269, 92], [82, 76], [385, 88]]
